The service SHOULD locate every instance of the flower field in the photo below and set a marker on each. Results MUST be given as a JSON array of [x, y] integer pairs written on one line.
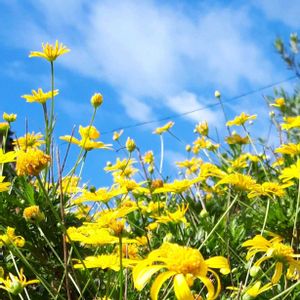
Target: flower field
[[226, 228]]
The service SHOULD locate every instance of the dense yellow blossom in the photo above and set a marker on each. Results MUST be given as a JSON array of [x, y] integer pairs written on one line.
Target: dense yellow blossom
[[177, 186], [50, 52], [184, 265], [31, 162]]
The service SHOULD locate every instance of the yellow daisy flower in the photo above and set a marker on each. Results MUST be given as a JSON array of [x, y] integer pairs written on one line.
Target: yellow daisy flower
[[183, 265], [290, 123], [39, 96], [88, 135], [4, 186], [31, 162], [289, 149], [241, 119], [50, 52], [166, 127], [291, 172], [282, 254], [29, 140]]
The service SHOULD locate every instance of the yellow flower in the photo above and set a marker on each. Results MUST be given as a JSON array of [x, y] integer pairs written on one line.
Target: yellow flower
[[88, 135], [282, 254], [148, 157], [278, 162], [202, 128], [217, 94], [291, 172], [166, 127], [33, 214], [203, 143], [183, 265], [10, 238], [237, 139], [192, 165], [39, 96], [104, 261], [279, 102], [269, 189], [241, 119], [30, 140], [15, 284], [291, 122], [100, 195], [31, 162], [117, 135], [176, 187], [97, 100], [7, 157], [4, 186], [50, 52], [173, 217], [9, 117], [239, 181], [289, 149]]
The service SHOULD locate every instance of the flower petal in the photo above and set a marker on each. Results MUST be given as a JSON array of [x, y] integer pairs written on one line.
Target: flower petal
[[181, 288], [210, 288], [158, 282], [218, 262], [142, 274], [278, 272]]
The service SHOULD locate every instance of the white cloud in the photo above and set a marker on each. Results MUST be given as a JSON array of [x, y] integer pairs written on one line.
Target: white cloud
[[186, 101], [146, 50], [136, 109]]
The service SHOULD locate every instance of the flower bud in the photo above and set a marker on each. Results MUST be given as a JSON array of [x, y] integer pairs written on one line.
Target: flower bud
[[9, 117], [32, 214], [130, 145], [97, 100], [217, 94]]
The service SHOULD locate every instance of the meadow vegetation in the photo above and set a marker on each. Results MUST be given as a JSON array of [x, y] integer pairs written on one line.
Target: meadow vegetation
[[226, 228]]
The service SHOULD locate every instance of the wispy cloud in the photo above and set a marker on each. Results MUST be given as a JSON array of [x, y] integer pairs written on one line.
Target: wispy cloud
[[146, 50]]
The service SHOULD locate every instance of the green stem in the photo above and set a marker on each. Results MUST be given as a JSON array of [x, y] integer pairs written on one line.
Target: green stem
[[296, 216], [220, 220], [121, 268], [161, 153]]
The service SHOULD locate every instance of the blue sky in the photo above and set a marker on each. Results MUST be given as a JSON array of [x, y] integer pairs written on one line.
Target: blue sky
[[149, 59]]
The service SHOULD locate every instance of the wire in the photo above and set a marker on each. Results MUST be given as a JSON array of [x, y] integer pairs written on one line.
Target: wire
[[176, 116]]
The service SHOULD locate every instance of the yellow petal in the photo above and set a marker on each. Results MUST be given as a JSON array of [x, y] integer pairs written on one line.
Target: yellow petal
[[181, 288], [159, 281], [277, 273], [218, 282], [210, 288], [142, 274], [218, 262]]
